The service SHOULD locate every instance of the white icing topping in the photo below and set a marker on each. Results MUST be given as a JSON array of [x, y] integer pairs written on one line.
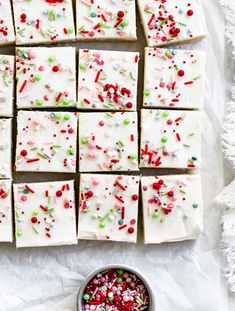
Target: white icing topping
[[107, 80], [7, 34], [6, 85], [172, 208], [46, 77], [170, 139], [6, 224], [45, 214], [46, 141], [108, 141], [174, 78], [108, 208], [5, 148]]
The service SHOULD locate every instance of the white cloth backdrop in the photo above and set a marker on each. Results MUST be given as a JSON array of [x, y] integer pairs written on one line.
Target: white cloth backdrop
[[185, 276]]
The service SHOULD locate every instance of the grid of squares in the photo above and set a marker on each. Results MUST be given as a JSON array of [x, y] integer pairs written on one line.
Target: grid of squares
[[105, 96]]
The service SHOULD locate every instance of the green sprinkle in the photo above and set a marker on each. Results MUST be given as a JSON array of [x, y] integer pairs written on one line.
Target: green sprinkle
[[126, 121], [70, 30], [70, 151], [19, 233], [133, 156], [86, 297], [82, 66], [36, 213], [37, 77], [132, 76], [119, 280], [155, 214], [58, 116], [65, 101], [39, 103], [35, 229], [120, 222], [66, 117], [196, 78], [195, 205], [120, 271], [84, 140], [164, 139], [146, 93], [51, 59], [168, 53], [102, 224], [165, 114]]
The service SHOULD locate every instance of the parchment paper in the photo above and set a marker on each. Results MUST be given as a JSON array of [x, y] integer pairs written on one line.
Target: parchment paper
[[185, 276]]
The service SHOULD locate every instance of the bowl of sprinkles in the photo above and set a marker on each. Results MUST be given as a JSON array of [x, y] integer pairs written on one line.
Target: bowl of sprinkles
[[115, 288]]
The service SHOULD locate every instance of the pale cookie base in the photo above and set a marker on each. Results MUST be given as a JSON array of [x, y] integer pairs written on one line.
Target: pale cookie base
[[5, 148], [45, 214], [108, 207], [170, 139], [108, 142], [100, 72], [163, 85], [192, 28], [6, 222], [89, 18], [46, 142], [47, 77], [7, 81], [7, 34], [181, 218]]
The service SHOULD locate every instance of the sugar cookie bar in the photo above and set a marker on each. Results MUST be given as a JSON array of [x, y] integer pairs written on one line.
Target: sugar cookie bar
[[7, 65], [45, 214], [107, 80], [106, 20], [108, 207], [174, 78], [5, 148], [6, 222], [172, 208], [46, 77], [7, 33], [108, 141], [43, 21], [167, 22], [170, 139], [46, 141]]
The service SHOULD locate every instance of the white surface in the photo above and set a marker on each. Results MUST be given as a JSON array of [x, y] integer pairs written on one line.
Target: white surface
[[7, 65], [8, 34], [163, 85], [45, 214], [43, 22], [105, 14], [175, 141], [157, 23], [108, 145], [175, 216], [107, 80], [50, 138], [50, 75], [5, 148], [6, 221], [185, 276], [110, 207]]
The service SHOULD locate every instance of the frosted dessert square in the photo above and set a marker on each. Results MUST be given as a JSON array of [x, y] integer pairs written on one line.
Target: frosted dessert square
[[108, 207], [7, 65], [108, 141], [46, 141], [167, 22], [108, 80], [7, 33], [6, 222], [46, 77], [106, 20], [170, 139], [43, 21], [174, 78], [5, 148], [45, 214], [172, 208]]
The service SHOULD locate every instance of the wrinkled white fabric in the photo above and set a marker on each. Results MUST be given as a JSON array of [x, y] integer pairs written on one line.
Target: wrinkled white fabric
[[185, 276]]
